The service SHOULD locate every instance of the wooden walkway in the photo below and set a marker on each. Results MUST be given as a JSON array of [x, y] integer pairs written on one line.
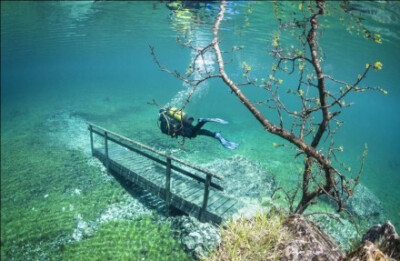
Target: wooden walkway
[[195, 191]]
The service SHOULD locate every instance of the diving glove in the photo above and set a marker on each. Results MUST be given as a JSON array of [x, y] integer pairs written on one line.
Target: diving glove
[[226, 143]]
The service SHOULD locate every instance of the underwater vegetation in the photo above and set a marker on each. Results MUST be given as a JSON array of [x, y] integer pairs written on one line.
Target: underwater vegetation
[[258, 238], [89, 61], [142, 239], [56, 209]]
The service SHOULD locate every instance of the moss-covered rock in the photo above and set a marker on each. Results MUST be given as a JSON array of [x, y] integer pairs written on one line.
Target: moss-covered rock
[[309, 242]]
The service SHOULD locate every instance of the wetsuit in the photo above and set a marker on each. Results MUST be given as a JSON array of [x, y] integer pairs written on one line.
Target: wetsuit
[[185, 128], [175, 123]]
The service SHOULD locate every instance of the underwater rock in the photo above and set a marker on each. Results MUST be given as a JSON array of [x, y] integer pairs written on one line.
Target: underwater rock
[[343, 232], [309, 242], [252, 207], [242, 177], [367, 252], [366, 205], [128, 209], [385, 238], [366, 210], [197, 238], [83, 229]]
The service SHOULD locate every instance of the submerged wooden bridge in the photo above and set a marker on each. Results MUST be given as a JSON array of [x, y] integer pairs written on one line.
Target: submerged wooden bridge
[[181, 185]]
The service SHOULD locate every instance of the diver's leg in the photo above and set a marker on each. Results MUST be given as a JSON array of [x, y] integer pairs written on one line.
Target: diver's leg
[[198, 126], [203, 121], [217, 120], [206, 133], [226, 143]]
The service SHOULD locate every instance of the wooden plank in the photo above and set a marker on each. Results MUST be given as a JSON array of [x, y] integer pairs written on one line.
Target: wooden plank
[[178, 189], [145, 154], [193, 196], [151, 174], [195, 177], [223, 208], [176, 168], [177, 182], [126, 142], [112, 148], [186, 185], [122, 155], [211, 217], [214, 196], [196, 198], [190, 192], [143, 169], [232, 210], [119, 158], [134, 164], [178, 202], [173, 167], [117, 155], [138, 160], [185, 194], [220, 198], [218, 203], [138, 179], [160, 180]]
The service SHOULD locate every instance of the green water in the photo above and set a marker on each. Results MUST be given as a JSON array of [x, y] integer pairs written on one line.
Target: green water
[[64, 63]]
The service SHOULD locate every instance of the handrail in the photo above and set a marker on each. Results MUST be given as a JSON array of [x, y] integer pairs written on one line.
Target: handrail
[[154, 158], [127, 143], [156, 151]]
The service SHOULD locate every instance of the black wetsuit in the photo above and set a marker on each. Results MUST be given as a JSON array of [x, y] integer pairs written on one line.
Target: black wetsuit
[[174, 128]]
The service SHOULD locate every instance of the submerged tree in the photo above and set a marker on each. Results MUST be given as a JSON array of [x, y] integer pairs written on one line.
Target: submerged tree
[[321, 98]]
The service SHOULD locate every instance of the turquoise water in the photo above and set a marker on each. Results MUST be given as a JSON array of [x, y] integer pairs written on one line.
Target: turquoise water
[[64, 63]]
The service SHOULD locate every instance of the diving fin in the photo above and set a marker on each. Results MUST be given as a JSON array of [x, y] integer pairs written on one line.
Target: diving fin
[[218, 120], [226, 143]]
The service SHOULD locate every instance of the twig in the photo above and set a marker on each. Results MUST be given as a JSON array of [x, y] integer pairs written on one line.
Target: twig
[[330, 215]]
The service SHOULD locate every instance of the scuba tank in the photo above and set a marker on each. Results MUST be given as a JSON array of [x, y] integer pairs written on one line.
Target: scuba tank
[[176, 113], [171, 120]]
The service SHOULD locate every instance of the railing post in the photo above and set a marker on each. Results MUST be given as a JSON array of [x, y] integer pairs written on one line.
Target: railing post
[[106, 151], [168, 185], [205, 198], [91, 138]]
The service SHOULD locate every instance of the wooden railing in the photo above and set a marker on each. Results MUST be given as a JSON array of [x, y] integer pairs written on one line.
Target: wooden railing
[[163, 159]]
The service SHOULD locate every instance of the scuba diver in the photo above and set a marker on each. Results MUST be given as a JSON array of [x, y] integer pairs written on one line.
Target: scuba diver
[[175, 122]]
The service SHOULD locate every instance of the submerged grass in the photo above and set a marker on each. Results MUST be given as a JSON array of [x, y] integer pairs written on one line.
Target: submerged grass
[[45, 187], [254, 239], [142, 239]]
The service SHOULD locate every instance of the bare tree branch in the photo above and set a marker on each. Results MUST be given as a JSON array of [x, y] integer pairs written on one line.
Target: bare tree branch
[[319, 175]]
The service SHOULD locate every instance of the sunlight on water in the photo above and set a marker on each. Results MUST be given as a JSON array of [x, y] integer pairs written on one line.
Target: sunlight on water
[[205, 63]]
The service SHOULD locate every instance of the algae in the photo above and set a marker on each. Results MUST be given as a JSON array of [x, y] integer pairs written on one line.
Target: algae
[[58, 203]]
